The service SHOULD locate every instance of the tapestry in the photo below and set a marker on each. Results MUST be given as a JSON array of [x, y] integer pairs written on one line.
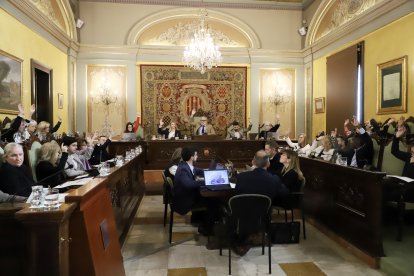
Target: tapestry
[[171, 93]]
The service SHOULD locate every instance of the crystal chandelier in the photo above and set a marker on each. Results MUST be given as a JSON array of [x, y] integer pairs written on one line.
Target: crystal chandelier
[[202, 54]]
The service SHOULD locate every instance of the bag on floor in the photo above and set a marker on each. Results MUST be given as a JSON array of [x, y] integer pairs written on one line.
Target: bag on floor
[[282, 232]]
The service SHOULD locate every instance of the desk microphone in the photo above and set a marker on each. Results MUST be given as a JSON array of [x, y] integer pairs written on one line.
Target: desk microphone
[[54, 174]]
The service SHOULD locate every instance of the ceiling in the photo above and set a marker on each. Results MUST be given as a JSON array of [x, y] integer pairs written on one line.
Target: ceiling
[[242, 4]]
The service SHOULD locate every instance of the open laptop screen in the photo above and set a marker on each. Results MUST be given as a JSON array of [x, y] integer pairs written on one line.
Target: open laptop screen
[[216, 177]]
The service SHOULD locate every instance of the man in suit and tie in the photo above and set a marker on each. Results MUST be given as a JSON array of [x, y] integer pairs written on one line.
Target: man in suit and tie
[[204, 128], [186, 188]]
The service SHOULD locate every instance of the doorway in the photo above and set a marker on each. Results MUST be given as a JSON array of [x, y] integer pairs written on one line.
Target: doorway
[[42, 92]]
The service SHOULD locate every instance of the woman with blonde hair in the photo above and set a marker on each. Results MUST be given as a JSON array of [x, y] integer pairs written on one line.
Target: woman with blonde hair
[[291, 174], [50, 164], [44, 131], [324, 151]]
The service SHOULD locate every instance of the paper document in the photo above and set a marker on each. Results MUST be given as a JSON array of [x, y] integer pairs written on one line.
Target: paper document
[[403, 178], [77, 182]]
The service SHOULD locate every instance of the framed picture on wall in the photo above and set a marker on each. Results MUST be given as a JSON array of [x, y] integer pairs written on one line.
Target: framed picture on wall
[[60, 101], [10, 83], [320, 105], [392, 86]]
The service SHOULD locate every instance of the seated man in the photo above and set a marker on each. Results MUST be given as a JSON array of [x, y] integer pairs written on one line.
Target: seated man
[[235, 132], [79, 162], [269, 128], [100, 153], [271, 149], [186, 188], [259, 180], [362, 151], [205, 128]]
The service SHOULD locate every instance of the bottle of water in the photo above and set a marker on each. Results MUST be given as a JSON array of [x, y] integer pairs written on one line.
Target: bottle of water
[[338, 159]]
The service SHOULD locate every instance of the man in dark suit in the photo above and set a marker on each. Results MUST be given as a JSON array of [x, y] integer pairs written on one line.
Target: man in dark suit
[[271, 149], [260, 181], [100, 154], [186, 188], [362, 151]]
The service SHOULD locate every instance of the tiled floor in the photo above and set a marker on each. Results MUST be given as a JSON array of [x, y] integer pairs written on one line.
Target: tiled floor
[[147, 252]]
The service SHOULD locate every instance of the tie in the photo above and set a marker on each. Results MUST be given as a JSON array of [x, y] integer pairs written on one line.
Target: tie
[[202, 130]]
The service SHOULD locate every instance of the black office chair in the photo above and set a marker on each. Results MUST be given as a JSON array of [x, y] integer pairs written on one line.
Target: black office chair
[[294, 200], [169, 197], [248, 214]]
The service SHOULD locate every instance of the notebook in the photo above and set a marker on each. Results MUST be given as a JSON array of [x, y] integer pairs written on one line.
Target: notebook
[[217, 180]]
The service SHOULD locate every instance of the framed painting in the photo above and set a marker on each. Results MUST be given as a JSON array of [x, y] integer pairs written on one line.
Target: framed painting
[[60, 101], [320, 105], [10, 83], [392, 86]]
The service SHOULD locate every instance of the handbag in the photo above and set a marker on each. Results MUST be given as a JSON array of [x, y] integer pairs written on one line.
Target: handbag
[[285, 232]]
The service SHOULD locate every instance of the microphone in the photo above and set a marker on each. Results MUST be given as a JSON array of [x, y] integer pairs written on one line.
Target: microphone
[[53, 174]]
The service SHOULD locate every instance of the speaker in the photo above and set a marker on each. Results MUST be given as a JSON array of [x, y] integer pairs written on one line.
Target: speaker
[[79, 23]]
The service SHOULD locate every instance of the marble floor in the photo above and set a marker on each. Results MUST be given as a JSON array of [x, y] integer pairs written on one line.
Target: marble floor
[[147, 252]]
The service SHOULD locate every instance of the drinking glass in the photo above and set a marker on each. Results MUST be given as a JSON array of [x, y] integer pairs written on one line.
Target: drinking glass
[[37, 196], [119, 161], [52, 199], [104, 169], [343, 161]]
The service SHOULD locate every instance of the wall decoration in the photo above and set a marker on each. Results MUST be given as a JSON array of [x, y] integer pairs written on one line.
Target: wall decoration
[[106, 99], [60, 101], [392, 86], [171, 92], [320, 105], [10, 83]]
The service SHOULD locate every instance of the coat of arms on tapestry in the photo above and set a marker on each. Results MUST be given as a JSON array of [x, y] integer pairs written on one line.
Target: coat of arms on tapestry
[[172, 92]]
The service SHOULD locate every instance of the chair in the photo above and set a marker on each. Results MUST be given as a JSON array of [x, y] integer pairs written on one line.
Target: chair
[[33, 153], [165, 197], [248, 214], [169, 198], [294, 200]]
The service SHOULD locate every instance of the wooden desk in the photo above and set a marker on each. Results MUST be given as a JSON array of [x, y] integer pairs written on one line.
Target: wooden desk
[[106, 208], [347, 201]]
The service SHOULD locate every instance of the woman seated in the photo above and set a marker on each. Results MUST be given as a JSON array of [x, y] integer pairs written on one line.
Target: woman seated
[[50, 164], [44, 132], [100, 153], [325, 151], [169, 133], [129, 133], [172, 166], [301, 147], [77, 164], [15, 178], [291, 174]]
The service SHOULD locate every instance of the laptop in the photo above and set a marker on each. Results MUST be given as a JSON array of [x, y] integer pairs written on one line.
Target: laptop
[[215, 166], [216, 180], [129, 136]]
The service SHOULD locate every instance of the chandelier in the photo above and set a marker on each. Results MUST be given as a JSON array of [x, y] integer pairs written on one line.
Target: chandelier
[[202, 54]]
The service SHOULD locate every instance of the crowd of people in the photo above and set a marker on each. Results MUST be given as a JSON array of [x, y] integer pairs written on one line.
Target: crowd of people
[[275, 172]]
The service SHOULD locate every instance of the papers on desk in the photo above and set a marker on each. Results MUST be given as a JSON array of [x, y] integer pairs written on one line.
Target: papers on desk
[[403, 178], [76, 182]]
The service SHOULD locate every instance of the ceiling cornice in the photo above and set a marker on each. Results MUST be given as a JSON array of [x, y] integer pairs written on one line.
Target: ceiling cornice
[[260, 5]]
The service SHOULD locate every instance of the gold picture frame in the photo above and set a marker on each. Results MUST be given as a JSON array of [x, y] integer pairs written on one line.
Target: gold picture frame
[[392, 86], [320, 105], [60, 101], [10, 83]]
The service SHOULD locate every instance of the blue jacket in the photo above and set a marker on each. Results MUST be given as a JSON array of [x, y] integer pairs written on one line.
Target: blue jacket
[[186, 192]]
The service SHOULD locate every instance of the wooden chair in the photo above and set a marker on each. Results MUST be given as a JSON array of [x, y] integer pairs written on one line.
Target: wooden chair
[[165, 198]]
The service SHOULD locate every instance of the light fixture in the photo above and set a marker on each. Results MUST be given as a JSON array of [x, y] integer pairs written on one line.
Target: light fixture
[[304, 29], [79, 23], [107, 97], [201, 54]]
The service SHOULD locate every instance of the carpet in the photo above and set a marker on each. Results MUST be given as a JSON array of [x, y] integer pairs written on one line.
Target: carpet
[[299, 269], [193, 271]]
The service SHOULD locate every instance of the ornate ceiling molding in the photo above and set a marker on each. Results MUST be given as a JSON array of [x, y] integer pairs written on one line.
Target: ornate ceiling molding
[[43, 13], [181, 14], [240, 4], [336, 18]]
